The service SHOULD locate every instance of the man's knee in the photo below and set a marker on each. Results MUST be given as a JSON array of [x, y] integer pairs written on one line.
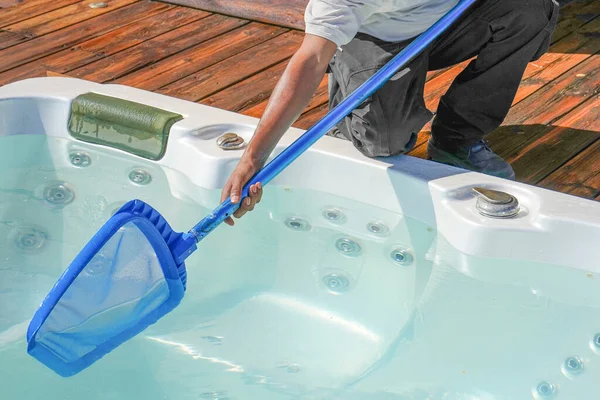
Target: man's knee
[[527, 23], [534, 16]]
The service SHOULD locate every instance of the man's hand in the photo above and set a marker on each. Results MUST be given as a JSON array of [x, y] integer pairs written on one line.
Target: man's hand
[[233, 188], [290, 97]]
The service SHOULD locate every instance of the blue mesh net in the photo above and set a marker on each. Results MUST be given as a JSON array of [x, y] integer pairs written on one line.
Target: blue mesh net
[[121, 285], [125, 279]]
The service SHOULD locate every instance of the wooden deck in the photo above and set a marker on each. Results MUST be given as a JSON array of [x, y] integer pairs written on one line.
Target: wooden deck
[[551, 136]]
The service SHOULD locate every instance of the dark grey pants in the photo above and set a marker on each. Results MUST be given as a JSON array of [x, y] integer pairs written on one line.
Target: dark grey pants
[[505, 35]]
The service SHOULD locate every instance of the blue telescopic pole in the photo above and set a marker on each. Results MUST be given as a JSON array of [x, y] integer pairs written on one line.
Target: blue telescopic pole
[[287, 156]]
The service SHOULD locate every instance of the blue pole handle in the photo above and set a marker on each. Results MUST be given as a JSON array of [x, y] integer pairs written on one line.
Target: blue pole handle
[[371, 85]]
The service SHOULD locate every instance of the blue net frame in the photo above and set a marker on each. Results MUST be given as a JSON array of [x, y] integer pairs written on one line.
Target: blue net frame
[[164, 242]]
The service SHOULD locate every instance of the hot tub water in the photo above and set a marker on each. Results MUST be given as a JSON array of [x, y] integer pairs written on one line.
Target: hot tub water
[[310, 296]]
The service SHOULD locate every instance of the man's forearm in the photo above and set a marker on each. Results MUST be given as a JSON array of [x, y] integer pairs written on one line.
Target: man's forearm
[[291, 95]]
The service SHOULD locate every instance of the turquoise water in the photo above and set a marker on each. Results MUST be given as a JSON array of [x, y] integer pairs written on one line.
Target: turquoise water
[[311, 296]]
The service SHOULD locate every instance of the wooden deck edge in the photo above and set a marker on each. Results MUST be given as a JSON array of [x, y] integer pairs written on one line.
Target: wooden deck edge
[[289, 13]]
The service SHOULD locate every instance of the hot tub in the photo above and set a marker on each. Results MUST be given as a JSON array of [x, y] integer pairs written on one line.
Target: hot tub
[[353, 279]]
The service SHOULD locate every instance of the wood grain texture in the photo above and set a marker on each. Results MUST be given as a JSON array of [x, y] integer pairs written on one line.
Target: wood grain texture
[[438, 85], [200, 57], [248, 92], [54, 21], [9, 3], [580, 176], [56, 41], [574, 15], [29, 9], [52, 74], [320, 97], [154, 50], [288, 13], [155, 22], [8, 39], [560, 58], [558, 97], [235, 69], [554, 145]]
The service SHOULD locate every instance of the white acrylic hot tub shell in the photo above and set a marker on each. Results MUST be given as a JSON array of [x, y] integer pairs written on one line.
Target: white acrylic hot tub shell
[[554, 227]]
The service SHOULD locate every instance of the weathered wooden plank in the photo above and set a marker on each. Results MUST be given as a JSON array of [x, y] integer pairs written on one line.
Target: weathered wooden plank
[[8, 39], [52, 74], [54, 20], [9, 3], [574, 15], [561, 57], [64, 38], [580, 176], [155, 22], [420, 148], [248, 92], [319, 98], [289, 13], [559, 96], [438, 85], [29, 9], [164, 20], [232, 70], [154, 50], [553, 146], [433, 74], [202, 56]]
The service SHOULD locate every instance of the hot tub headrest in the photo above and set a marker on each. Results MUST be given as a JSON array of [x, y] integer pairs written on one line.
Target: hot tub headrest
[[122, 124]]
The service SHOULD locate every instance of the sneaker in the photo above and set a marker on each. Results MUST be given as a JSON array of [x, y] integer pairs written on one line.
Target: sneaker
[[478, 157]]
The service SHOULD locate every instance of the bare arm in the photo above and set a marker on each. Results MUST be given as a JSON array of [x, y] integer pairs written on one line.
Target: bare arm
[[294, 90]]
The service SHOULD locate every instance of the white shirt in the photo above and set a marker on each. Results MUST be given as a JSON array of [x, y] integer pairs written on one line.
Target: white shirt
[[389, 20]]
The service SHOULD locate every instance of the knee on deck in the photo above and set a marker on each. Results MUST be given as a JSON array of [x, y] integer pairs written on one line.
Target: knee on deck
[[534, 15]]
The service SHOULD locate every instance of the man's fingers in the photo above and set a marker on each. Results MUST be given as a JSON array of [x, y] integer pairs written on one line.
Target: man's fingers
[[256, 193], [246, 205], [249, 204], [225, 192], [236, 190], [260, 192], [239, 213]]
